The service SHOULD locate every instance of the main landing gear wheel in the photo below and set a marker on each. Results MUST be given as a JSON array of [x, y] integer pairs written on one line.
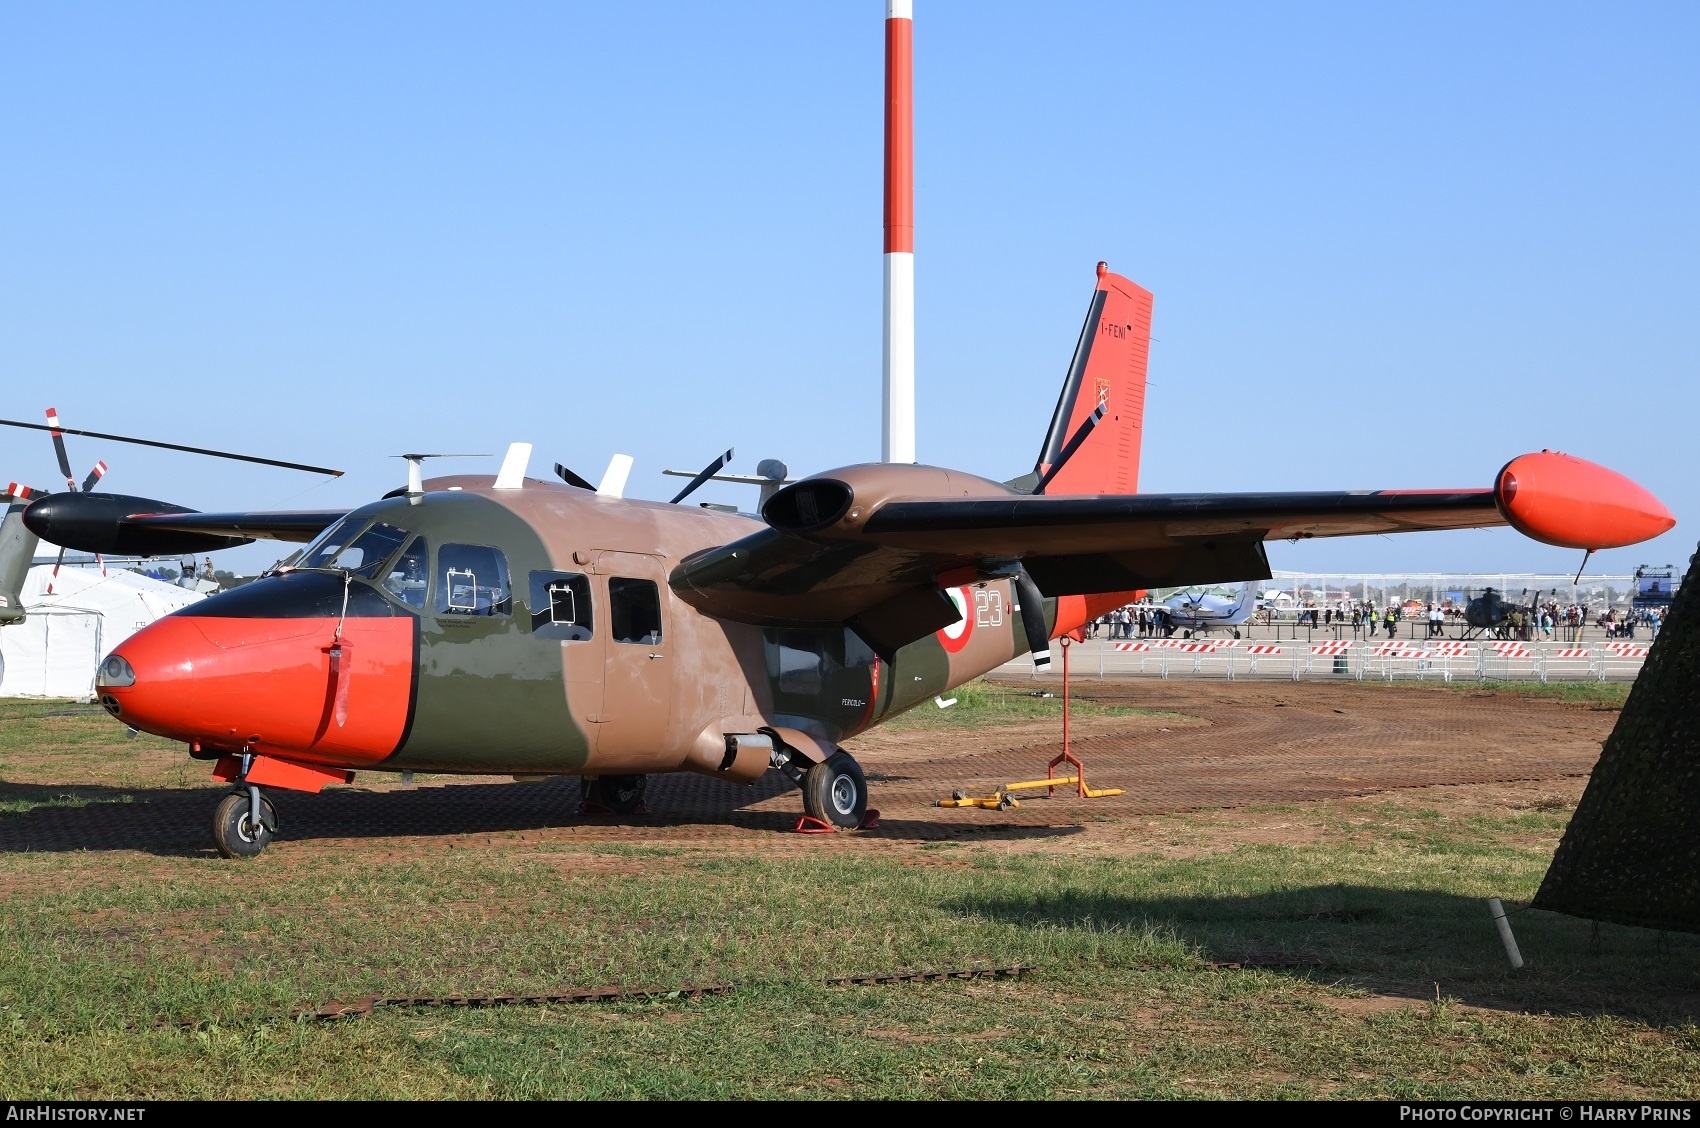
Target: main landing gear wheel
[[234, 832], [835, 791], [621, 794]]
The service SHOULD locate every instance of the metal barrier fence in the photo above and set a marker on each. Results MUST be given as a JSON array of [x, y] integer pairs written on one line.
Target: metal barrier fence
[[1447, 660]]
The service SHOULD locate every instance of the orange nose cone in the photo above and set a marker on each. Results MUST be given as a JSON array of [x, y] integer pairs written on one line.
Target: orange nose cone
[[1574, 503], [167, 697]]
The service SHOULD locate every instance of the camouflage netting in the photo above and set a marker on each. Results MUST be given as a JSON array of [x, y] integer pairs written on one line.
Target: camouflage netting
[[1632, 853]]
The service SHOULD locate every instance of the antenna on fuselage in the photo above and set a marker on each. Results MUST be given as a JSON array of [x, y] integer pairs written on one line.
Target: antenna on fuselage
[[613, 482], [416, 472], [512, 474]]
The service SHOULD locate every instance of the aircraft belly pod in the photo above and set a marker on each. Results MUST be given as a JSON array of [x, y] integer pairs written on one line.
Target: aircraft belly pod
[[536, 628]]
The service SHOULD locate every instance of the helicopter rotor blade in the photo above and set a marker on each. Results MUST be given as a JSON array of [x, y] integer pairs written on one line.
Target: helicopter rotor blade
[[59, 447], [704, 475], [57, 431], [572, 479], [95, 475]]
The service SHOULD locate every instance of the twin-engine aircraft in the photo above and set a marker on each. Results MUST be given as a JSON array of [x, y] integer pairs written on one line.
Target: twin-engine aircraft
[[1199, 613], [531, 628]]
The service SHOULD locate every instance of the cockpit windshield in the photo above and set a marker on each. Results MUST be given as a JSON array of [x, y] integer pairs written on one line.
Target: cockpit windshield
[[327, 543], [347, 545]]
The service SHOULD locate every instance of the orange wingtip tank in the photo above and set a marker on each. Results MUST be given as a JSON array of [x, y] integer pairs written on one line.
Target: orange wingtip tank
[[1571, 502]]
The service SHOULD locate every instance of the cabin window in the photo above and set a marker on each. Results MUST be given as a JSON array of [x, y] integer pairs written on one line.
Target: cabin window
[[634, 606], [799, 662], [560, 605], [472, 579], [407, 577]]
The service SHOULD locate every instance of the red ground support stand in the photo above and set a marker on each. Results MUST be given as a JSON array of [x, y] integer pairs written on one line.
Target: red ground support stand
[[1079, 768], [1079, 771]]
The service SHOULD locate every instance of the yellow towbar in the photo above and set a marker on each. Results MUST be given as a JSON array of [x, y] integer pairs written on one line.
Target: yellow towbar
[[1003, 800]]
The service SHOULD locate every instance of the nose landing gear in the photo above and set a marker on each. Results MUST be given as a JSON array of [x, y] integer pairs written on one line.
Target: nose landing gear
[[244, 823]]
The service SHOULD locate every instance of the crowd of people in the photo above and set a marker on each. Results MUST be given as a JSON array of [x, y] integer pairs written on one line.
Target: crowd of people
[[1546, 622], [1136, 620]]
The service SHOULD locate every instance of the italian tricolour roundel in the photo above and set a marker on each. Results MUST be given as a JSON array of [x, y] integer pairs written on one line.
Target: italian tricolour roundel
[[954, 637]]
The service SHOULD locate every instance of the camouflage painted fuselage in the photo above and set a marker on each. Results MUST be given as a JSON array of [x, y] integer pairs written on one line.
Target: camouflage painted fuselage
[[432, 687]]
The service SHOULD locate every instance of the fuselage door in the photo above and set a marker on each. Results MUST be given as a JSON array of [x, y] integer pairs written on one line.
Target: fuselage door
[[637, 661]]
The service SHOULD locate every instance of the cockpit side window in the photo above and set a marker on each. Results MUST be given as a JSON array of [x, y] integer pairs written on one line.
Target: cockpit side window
[[407, 576], [560, 606], [472, 579]]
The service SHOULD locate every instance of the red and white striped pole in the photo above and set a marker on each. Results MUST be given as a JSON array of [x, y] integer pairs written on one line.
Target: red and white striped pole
[[898, 431]]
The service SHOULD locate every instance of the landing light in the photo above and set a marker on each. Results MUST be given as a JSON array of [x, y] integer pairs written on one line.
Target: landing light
[[115, 671]]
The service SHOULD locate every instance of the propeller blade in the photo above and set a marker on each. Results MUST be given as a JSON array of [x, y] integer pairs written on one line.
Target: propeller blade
[[57, 430], [1033, 618], [95, 475], [572, 479], [703, 475], [55, 576], [59, 446], [1067, 451]]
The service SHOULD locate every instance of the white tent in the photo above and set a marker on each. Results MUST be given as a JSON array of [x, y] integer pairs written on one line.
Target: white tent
[[64, 637]]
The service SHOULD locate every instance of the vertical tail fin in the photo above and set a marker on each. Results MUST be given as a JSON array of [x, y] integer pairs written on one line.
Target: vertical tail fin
[[1246, 603], [1109, 369], [17, 549]]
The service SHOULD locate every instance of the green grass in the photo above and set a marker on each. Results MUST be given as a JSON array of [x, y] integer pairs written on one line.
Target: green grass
[[124, 975], [69, 754], [1606, 694], [97, 950]]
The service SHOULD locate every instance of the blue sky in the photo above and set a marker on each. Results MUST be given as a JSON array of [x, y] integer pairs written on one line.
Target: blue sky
[[1390, 246]]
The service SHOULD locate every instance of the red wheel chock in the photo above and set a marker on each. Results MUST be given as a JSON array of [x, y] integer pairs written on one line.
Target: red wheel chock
[[870, 820], [808, 824]]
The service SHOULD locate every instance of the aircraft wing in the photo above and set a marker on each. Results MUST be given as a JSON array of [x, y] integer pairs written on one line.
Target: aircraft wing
[[294, 525], [1069, 545], [851, 548], [118, 525]]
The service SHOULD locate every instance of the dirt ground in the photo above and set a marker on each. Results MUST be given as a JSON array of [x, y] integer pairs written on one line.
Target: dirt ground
[[1263, 745]]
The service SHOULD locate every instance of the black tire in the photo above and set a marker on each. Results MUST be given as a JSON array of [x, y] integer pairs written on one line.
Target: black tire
[[836, 792], [621, 794], [234, 835]]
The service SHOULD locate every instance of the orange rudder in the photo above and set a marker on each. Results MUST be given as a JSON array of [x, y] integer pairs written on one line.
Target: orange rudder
[[1108, 369]]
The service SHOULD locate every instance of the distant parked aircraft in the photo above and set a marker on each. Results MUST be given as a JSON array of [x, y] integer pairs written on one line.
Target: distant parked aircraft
[[1202, 613]]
